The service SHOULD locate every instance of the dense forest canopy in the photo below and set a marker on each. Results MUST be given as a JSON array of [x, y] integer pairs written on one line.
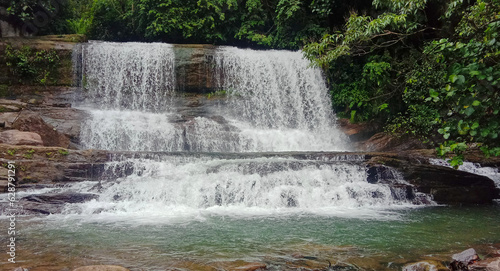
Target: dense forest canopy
[[425, 68]]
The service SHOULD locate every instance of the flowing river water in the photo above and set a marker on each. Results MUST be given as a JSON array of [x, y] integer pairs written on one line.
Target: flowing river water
[[192, 210]]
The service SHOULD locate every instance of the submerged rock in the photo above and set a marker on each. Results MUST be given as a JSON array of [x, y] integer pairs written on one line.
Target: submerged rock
[[101, 268], [425, 266], [251, 267], [52, 203]]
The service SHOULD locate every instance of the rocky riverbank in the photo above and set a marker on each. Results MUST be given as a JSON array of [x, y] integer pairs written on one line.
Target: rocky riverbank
[[482, 258]]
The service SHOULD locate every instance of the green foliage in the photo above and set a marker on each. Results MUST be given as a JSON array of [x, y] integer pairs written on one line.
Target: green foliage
[[12, 152], [218, 93], [365, 34], [80, 26], [63, 152], [32, 66], [29, 154], [440, 90]]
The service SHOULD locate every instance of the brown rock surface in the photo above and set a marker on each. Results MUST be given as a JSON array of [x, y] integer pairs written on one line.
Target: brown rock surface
[[101, 268], [30, 121], [492, 264], [385, 142], [16, 137]]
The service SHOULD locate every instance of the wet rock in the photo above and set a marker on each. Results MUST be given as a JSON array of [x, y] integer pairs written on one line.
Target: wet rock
[[425, 266], [240, 265], [251, 267], [358, 131], [492, 264], [16, 137], [445, 185], [462, 260], [194, 67], [101, 268], [52, 203], [61, 198], [389, 143]]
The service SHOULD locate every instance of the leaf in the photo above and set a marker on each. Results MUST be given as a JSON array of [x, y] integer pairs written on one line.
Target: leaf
[[469, 111], [474, 125], [476, 103], [453, 78]]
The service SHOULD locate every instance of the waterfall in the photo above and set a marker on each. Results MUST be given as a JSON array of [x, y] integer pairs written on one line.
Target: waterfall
[[273, 102], [193, 186], [268, 101]]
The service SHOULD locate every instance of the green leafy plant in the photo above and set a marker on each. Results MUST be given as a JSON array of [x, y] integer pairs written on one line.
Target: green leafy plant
[[29, 154], [12, 152], [63, 152], [32, 66]]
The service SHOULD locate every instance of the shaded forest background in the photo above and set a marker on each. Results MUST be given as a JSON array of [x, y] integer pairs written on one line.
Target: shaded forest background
[[422, 68]]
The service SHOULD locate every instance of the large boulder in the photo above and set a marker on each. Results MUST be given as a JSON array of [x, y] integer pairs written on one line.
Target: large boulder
[[16, 137], [445, 185], [29, 121], [65, 120]]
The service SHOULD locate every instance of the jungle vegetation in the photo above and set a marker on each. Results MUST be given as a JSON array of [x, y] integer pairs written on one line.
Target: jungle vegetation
[[422, 68]]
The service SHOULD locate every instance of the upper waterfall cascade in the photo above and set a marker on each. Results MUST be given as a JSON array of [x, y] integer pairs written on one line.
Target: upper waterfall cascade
[[273, 101]]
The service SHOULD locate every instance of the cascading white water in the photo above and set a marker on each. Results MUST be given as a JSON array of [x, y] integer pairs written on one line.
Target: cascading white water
[[275, 102], [131, 77], [190, 186]]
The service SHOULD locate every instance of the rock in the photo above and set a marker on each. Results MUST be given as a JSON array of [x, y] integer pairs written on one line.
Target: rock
[[425, 266], [358, 131], [53, 203], [4, 184], [445, 185], [389, 143], [194, 67], [9, 108], [492, 264], [101, 268], [8, 118], [16, 137], [251, 267], [66, 121], [462, 260], [60, 198], [31, 122]]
